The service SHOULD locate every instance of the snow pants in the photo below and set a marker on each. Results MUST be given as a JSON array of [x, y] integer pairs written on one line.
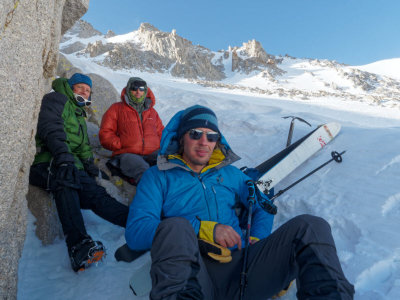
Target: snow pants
[[69, 202], [301, 249], [134, 165]]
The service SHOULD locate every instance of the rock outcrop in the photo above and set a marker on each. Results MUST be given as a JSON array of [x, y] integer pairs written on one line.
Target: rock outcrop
[[30, 33], [151, 50], [252, 57]]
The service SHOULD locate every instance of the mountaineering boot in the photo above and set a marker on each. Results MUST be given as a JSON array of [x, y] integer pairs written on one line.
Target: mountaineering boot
[[85, 253]]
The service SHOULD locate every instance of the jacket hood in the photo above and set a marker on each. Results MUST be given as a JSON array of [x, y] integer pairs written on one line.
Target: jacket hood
[[169, 146], [149, 95], [60, 85]]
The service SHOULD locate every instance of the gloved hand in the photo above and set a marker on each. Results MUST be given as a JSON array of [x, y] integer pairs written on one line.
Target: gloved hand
[[215, 251], [93, 170], [90, 167], [67, 176]]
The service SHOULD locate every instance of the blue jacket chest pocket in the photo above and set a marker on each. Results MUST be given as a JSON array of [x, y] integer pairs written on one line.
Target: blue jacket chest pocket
[[225, 199]]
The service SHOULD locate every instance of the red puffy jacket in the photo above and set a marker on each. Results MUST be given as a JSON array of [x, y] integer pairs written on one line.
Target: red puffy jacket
[[121, 130]]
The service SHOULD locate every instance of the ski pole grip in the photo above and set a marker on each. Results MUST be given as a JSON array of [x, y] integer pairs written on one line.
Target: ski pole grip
[[252, 191], [266, 204]]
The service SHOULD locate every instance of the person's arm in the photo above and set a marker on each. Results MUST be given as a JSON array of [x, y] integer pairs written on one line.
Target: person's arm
[[51, 129], [160, 126], [145, 211], [108, 134]]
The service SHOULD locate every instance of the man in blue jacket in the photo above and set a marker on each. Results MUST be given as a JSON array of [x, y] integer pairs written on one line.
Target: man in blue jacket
[[185, 211]]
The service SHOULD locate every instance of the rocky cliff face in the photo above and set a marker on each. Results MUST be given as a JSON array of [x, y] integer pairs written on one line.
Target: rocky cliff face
[[149, 49], [30, 33]]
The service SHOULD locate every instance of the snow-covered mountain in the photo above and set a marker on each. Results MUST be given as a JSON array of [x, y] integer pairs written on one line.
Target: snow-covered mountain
[[248, 68], [250, 93], [387, 67]]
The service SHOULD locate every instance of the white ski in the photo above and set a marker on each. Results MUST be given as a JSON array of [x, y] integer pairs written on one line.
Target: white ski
[[322, 136]]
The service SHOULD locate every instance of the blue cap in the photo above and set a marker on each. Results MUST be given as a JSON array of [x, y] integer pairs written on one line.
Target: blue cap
[[79, 78], [197, 116]]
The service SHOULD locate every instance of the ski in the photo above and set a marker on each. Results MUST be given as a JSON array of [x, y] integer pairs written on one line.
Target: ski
[[261, 169], [282, 164]]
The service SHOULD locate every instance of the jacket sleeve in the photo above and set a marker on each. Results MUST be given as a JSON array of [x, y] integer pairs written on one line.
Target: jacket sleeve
[[160, 126], [261, 224], [50, 128], [108, 136], [145, 211]]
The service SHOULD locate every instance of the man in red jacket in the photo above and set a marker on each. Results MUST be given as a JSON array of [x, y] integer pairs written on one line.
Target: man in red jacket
[[132, 129]]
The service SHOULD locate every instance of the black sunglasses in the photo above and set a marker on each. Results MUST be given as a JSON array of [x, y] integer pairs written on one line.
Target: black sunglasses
[[140, 88], [196, 134], [138, 85]]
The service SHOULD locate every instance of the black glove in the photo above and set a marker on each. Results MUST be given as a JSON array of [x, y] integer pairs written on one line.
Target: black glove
[[90, 167], [215, 251], [67, 176], [93, 170]]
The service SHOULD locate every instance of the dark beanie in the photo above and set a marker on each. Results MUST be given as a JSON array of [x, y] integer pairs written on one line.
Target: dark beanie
[[79, 78], [135, 81], [197, 116]]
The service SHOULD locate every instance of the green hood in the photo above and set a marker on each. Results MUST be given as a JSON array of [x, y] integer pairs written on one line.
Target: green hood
[[60, 85]]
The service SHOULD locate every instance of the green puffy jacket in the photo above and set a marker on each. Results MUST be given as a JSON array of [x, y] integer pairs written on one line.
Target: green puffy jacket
[[61, 130]]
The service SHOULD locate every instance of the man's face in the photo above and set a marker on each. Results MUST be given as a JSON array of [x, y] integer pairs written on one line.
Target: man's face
[[197, 153], [82, 89], [137, 94], [138, 88]]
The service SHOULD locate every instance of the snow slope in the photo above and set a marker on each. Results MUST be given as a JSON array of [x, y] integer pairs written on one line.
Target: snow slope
[[387, 67], [359, 197]]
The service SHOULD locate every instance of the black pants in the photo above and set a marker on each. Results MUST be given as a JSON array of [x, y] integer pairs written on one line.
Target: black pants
[[130, 166], [69, 202], [301, 249]]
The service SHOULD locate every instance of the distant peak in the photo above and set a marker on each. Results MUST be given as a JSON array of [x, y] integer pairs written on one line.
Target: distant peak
[[84, 29], [253, 48], [110, 33], [147, 27]]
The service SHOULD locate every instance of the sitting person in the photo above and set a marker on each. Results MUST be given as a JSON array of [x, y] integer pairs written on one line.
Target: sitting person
[[64, 165], [184, 211], [132, 130]]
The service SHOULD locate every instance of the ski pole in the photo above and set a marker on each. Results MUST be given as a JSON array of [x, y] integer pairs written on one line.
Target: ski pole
[[251, 199], [335, 157], [289, 140]]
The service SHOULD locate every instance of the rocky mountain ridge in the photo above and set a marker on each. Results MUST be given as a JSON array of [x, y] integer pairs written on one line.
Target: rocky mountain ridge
[[151, 50]]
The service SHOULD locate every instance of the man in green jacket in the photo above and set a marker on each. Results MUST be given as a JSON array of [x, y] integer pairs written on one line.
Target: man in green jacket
[[64, 165]]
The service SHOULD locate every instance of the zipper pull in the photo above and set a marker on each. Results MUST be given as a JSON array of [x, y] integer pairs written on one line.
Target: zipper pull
[[213, 189], [204, 186]]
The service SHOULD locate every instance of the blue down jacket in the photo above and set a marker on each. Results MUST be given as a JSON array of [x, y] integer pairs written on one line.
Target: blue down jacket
[[172, 189]]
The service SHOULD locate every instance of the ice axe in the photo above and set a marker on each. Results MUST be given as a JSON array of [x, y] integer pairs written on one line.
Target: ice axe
[[289, 140]]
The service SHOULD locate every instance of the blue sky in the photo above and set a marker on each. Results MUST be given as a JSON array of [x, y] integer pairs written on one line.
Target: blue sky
[[354, 32]]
